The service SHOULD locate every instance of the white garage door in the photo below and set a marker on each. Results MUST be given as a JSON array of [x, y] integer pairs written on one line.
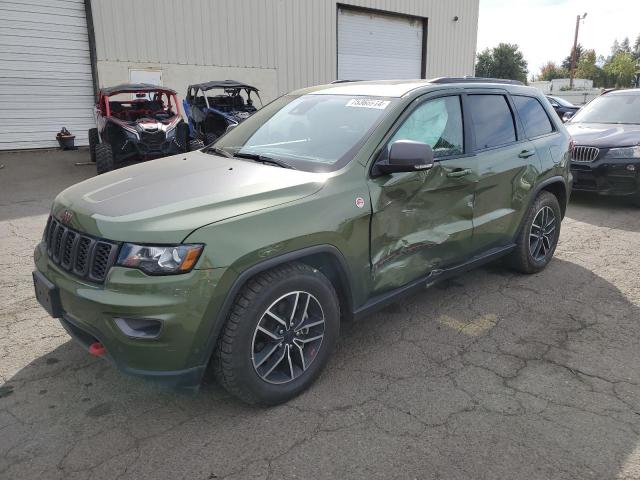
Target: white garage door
[[374, 46], [45, 72]]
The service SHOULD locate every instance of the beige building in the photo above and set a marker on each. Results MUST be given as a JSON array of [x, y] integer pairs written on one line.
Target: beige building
[[56, 52]]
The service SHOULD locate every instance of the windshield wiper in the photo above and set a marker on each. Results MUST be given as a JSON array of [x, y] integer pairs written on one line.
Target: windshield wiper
[[264, 159], [220, 151]]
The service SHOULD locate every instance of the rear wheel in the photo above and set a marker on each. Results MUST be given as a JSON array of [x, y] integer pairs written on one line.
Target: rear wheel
[[104, 158], [279, 335], [94, 140], [538, 239]]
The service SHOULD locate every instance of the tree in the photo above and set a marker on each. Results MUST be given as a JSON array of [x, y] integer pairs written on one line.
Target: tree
[[636, 48], [615, 48], [551, 71], [621, 68], [484, 64], [625, 46], [588, 68], [566, 63], [504, 61]]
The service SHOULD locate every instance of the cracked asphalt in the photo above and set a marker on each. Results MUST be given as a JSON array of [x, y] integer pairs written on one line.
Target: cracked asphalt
[[493, 375]]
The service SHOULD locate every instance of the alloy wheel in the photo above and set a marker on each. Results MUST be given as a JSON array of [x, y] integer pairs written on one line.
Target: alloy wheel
[[542, 233], [288, 337]]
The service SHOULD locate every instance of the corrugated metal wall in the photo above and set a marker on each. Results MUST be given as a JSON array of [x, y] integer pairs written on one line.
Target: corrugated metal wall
[[296, 38]]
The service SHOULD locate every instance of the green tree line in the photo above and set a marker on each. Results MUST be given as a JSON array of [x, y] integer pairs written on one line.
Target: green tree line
[[618, 69]]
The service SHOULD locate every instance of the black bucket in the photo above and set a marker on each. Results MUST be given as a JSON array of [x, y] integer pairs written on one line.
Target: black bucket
[[66, 140]]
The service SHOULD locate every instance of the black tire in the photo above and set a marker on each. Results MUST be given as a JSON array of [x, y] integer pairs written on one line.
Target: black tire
[[182, 136], [196, 144], [235, 357], [104, 158], [94, 140], [535, 247], [209, 138]]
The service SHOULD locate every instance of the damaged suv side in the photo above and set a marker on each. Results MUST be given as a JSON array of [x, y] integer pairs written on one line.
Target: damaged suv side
[[323, 206]]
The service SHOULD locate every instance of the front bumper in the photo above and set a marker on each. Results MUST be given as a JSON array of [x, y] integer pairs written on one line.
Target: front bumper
[[186, 305], [607, 177], [147, 146]]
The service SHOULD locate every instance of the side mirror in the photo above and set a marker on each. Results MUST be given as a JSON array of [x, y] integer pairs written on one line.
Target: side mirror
[[567, 116], [406, 156], [230, 127]]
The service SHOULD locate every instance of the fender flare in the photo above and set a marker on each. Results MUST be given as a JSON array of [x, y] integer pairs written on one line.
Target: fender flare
[[536, 191], [343, 271]]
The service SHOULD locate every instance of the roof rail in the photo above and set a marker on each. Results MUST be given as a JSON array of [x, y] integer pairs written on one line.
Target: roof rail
[[344, 81], [474, 80]]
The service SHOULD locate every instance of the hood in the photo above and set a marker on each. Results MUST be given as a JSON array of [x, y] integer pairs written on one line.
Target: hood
[[166, 199], [604, 135]]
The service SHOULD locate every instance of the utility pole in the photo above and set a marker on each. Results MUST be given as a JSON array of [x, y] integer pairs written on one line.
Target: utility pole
[[574, 52]]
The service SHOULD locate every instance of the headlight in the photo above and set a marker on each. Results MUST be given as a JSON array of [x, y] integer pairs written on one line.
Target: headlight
[[160, 259], [625, 152], [132, 135]]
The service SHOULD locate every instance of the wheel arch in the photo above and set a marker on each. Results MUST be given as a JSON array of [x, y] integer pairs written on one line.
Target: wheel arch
[[558, 188], [326, 258], [557, 185]]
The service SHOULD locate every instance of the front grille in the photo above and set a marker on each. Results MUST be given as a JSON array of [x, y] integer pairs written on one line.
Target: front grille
[[153, 139], [84, 256], [584, 154]]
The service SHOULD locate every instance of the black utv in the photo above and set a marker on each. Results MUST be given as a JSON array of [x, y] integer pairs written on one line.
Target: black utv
[[210, 115], [136, 121]]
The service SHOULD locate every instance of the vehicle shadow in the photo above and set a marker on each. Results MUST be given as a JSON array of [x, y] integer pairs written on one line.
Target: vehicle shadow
[[31, 179], [597, 210], [489, 375]]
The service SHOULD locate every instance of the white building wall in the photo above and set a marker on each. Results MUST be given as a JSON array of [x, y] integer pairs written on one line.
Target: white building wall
[[280, 45]]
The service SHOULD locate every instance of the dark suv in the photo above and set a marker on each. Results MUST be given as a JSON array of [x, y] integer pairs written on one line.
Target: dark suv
[[323, 206], [606, 159]]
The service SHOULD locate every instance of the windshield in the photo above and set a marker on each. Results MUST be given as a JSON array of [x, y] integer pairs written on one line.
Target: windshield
[[562, 102], [309, 132], [620, 108]]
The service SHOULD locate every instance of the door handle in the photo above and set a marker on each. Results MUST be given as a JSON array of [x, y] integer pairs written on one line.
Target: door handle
[[526, 153], [459, 173]]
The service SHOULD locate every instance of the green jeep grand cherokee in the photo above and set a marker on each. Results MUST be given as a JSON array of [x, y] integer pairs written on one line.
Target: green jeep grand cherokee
[[326, 204]]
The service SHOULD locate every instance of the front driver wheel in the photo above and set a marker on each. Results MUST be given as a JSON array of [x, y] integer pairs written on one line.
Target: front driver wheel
[[279, 335], [104, 158], [94, 140], [538, 238]]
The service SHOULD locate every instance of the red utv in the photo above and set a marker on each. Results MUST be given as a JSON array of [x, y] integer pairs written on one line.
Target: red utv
[[136, 122]]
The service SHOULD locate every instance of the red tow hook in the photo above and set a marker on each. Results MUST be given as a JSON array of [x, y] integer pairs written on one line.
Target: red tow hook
[[97, 349]]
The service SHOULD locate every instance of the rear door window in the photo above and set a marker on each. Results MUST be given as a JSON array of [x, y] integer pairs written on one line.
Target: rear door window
[[492, 120], [535, 119]]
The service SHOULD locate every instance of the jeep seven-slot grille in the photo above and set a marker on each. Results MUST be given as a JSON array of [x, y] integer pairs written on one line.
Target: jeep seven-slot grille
[[84, 256], [584, 154]]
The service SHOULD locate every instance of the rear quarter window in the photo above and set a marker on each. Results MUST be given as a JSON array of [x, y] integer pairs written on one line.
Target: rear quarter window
[[492, 120], [533, 116]]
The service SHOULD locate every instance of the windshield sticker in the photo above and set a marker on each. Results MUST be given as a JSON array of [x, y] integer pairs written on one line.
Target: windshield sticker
[[368, 103]]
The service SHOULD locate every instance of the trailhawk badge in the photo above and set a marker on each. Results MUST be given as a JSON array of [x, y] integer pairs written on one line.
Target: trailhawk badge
[[359, 202]]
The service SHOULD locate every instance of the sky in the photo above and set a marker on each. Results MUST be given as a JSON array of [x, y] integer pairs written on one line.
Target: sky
[[544, 29]]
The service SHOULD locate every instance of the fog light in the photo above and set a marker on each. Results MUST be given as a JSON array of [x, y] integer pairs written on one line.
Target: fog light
[[631, 168], [139, 327]]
